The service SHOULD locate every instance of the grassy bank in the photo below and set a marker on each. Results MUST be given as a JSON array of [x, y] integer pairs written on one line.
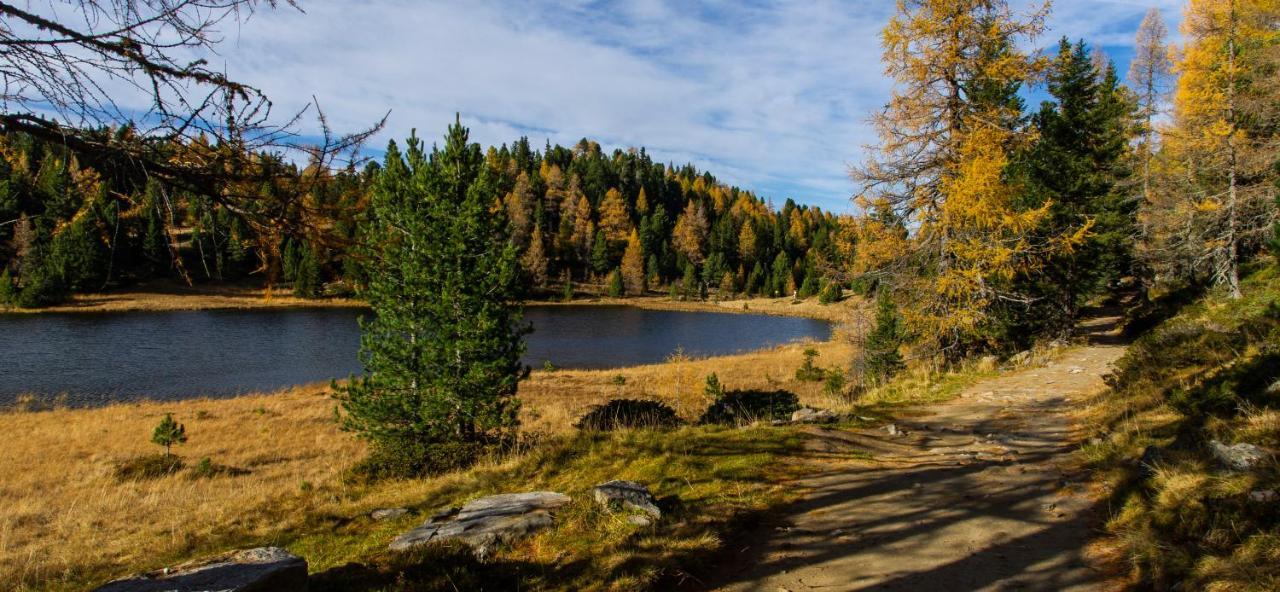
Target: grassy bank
[[1207, 373], [67, 519]]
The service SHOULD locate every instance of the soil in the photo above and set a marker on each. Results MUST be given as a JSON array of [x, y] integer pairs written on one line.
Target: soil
[[974, 494]]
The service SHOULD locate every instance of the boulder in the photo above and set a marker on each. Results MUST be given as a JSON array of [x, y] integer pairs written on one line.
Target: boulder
[[1239, 457], [811, 415], [388, 513], [486, 522], [1274, 388], [627, 495], [893, 430], [265, 569]]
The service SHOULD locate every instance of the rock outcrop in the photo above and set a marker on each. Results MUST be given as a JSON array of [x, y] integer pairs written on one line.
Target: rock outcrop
[[811, 415], [1238, 457], [264, 569], [486, 522], [627, 495]]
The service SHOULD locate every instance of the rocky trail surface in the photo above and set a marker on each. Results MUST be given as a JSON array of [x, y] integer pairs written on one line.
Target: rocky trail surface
[[973, 494]]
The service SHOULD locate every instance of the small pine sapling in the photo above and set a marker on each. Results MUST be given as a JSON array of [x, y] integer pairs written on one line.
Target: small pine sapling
[[168, 433]]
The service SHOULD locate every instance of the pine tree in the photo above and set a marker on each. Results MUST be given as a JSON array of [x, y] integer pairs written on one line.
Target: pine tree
[[168, 433], [600, 259], [442, 351], [690, 282], [306, 280], [615, 285], [1076, 166], [8, 291], [633, 265], [883, 360]]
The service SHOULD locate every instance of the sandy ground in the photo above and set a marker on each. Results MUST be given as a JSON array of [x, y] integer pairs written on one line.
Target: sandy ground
[[976, 495]]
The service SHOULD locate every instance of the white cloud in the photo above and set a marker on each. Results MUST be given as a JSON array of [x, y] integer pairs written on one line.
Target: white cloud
[[770, 96]]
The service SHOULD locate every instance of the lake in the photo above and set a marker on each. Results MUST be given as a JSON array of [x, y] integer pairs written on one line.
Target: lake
[[96, 358]]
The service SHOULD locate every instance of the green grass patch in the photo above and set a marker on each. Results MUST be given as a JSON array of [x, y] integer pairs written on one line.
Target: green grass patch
[[1204, 373], [705, 478]]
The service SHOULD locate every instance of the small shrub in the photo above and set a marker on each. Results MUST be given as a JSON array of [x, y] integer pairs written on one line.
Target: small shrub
[[151, 466], [409, 459], [567, 295], [831, 293], [807, 372], [207, 469], [713, 390], [834, 383], [628, 413], [168, 433], [547, 366], [744, 407], [616, 287]]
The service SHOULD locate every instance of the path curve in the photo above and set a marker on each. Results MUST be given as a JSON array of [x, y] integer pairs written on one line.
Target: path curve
[[974, 496]]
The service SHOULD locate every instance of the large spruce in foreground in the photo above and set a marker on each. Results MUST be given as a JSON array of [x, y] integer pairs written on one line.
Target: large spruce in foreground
[[441, 353]]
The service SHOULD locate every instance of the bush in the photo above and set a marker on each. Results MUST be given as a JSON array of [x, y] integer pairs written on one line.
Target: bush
[[744, 407], [807, 372], [616, 287], [628, 413], [834, 383], [830, 293], [151, 466], [207, 469], [406, 459]]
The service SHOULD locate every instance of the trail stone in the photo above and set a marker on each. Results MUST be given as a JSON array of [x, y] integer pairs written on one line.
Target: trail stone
[[264, 569], [811, 415], [388, 513], [1239, 457], [626, 494], [639, 520], [486, 522], [1274, 388], [1075, 370], [1264, 496], [893, 430]]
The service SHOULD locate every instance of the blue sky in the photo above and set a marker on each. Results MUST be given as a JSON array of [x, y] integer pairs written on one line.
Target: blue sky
[[770, 96]]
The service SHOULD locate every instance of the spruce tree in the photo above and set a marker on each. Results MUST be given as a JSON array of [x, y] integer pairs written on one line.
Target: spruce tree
[[883, 360], [169, 432], [8, 291], [442, 351], [615, 286]]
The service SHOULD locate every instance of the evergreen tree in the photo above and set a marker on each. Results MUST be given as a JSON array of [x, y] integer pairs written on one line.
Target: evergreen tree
[[615, 285], [8, 291], [306, 279], [600, 253], [690, 282], [567, 295], [1076, 166], [883, 359], [442, 351], [168, 433]]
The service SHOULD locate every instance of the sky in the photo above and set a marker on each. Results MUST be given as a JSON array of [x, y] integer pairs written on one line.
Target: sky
[[772, 96]]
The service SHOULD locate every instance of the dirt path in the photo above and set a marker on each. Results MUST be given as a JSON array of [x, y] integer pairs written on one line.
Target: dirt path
[[972, 497]]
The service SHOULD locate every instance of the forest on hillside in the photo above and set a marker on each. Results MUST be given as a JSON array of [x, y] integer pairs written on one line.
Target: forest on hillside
[[576, 215]]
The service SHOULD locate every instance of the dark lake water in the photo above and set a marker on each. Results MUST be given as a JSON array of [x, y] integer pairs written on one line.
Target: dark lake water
[[99, 358]]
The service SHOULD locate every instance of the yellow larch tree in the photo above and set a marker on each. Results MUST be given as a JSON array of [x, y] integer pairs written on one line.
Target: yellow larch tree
[[633, 265], [690, 234], [614, 219], [942, 222], [1215, 194]]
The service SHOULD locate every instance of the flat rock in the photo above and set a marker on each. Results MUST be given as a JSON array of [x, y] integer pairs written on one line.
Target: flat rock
[[264, 569], [1264, 496], [388, 513], [628, 495], [486, 522], [1239, 457], [811, 415]]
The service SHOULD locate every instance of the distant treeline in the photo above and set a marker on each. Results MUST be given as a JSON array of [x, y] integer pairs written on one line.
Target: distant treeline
[[576, 215]]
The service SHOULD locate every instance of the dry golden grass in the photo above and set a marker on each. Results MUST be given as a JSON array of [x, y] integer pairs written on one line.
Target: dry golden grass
[[67, 519]]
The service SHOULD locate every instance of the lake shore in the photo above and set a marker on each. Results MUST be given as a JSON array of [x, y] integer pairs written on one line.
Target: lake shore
[[170, 297]]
